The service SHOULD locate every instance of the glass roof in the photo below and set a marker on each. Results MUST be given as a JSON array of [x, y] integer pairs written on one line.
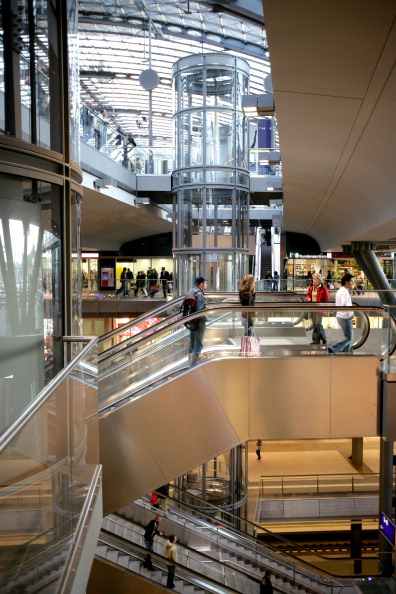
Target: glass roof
[[114, 50]]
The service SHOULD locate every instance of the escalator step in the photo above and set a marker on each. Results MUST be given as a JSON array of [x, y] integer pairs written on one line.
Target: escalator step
[[123, 561], [134, 565], [101, 550], [112, 555]]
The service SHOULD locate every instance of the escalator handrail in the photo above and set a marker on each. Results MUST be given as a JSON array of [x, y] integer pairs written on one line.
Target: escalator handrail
[[256, 527], [118, 348], [125, 546], [177, 302], [12, 430], [239, 308], [287, 560]]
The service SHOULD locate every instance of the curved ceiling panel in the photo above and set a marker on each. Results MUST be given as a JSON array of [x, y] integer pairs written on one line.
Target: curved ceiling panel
[[334, 79]]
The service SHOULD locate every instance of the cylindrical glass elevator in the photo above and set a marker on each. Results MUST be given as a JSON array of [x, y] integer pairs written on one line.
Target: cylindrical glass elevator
[[211, 177]]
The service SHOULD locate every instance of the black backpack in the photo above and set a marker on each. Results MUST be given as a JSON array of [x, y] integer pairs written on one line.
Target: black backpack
[[188, 307]]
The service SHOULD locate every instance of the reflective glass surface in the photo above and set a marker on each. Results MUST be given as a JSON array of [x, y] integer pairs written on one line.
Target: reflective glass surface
[[58, 446], [281, 332], [31, 290]]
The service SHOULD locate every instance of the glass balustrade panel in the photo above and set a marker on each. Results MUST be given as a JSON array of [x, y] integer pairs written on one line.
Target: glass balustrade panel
[[158, 356], [46, 472]]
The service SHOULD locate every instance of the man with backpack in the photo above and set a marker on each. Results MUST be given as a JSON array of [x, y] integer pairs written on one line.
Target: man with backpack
[[197, 327]]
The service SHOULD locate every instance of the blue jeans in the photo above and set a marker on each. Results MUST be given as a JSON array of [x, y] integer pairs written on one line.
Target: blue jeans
[[196, 337], [344, 345], [248, 330], [148, 562]]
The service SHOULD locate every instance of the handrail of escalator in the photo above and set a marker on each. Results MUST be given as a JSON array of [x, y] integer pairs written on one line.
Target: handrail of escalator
[[303, 307], [164, 321], [10, 432], [244, 536], [296, 566], [185, 573], [178, 301], [283, 560]]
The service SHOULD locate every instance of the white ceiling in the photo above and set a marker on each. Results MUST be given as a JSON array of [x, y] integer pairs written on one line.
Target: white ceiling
[[108, 222], [334, 79]]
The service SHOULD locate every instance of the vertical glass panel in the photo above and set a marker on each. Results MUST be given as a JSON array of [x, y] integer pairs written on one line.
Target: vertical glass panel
[[219, 218], [241, 145], [76, 264], [242, 88], [2, 113], [190, 218], [59, 444], [191, 88], [41, 71], [74, 82], [219, 87], [31, 288], [219, 271], [25, 74], [219, 138], [241, 220], [188, 267], [189, 139]]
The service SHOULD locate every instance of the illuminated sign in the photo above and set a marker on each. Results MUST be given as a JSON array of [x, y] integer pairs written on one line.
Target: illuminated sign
[[387, 528]]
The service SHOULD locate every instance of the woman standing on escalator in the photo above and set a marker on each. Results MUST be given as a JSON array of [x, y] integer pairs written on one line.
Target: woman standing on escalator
[[247, 297], [318, 293]]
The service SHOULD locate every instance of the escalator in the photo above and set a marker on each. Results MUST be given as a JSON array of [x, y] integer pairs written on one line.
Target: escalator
[[222, 549], [159, 418]]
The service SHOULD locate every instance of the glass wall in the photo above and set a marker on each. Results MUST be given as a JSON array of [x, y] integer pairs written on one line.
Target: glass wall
[[40, 299], [31, 286], [210, 181], [33, 75]]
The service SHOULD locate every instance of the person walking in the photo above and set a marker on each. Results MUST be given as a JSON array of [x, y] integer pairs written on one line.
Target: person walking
[[170, 553], [140, 283], [258, 449], [275, 282], [268, 281], [247, 297], [344, 318], [198, 326], [149, 535], [164, 278], [318, 293], [129, 275], [266, 585], [124, 284]]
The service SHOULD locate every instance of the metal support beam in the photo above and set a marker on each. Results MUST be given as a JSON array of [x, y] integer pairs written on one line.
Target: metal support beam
[[364, 254]]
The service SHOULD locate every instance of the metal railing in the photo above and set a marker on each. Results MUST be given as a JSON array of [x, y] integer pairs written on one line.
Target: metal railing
[[49, 443], [99, 133], [283, 486]]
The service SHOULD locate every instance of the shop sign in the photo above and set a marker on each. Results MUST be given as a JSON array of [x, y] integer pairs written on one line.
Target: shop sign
[[307, 256]]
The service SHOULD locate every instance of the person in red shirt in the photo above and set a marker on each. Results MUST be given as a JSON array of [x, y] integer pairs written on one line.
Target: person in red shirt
[[318, 293]]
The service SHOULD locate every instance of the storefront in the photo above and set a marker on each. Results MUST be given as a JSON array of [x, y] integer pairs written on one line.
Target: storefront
[[298, 266]]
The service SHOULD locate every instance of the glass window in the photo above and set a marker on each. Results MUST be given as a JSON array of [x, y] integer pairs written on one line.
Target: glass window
[[190, 89], [219, 218], [219, 138], [219, 87], [189, 140], [31, 288]]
